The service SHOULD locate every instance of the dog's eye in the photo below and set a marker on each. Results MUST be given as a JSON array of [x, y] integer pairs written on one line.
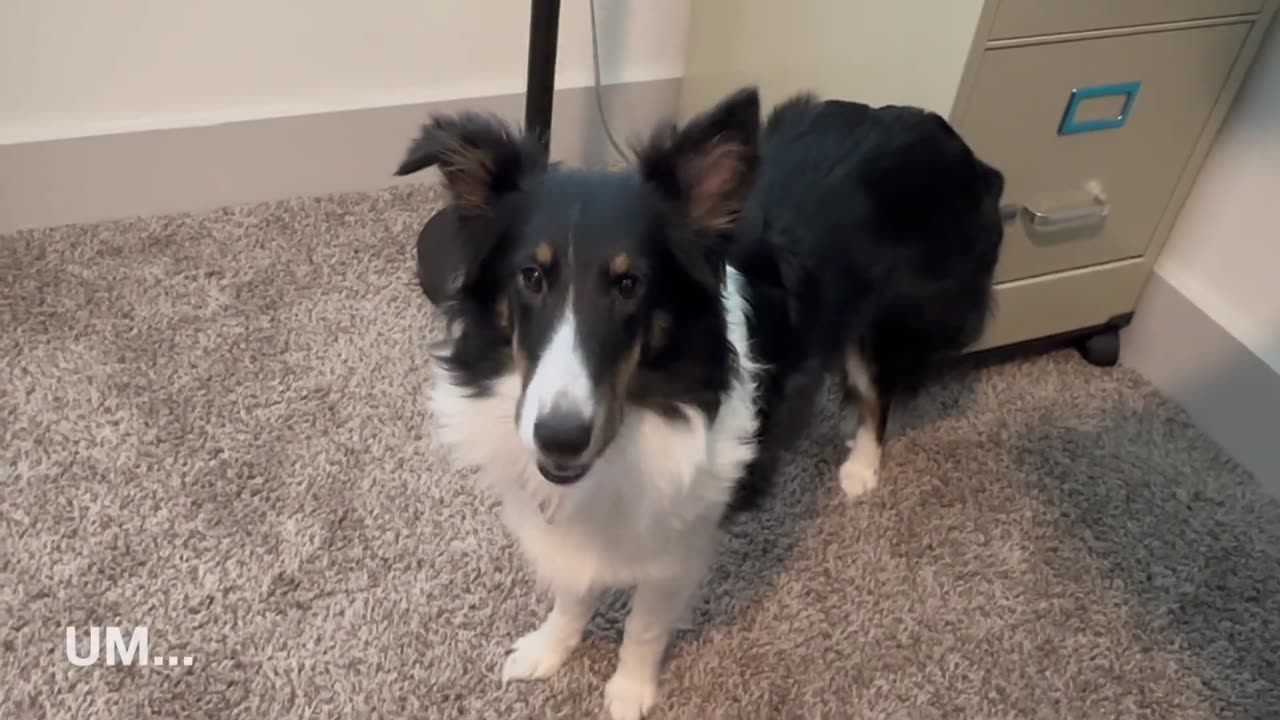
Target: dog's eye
[[627, 285], [531, 279]]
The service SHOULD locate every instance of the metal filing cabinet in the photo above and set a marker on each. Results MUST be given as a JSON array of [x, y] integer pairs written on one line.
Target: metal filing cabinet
[[1099, 112]]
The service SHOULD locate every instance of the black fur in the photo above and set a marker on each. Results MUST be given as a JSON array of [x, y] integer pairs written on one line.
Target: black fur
[[875, 229]]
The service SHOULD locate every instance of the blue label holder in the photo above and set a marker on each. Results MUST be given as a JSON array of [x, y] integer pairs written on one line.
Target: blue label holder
[[1071, 126]]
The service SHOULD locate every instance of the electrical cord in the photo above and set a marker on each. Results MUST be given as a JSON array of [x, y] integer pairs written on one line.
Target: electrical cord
[[595, 64]]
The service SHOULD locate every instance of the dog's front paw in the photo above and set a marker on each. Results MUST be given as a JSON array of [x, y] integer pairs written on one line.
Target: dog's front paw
[[630, 696], [860, 473], [538, 655]]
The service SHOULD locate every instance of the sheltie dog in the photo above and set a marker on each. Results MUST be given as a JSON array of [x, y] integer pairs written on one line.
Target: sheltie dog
[[631, 351]]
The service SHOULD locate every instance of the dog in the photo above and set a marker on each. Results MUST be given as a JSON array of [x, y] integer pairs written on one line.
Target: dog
[[630, 352]]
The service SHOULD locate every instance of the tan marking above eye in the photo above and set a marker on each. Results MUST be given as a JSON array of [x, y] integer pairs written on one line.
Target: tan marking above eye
[[620, 264], [544, 254]]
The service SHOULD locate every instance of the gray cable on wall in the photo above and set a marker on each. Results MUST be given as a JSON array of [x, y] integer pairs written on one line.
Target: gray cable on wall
[[595, 64]]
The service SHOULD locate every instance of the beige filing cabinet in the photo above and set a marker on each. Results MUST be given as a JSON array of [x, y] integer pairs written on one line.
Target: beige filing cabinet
[[1099, 113]]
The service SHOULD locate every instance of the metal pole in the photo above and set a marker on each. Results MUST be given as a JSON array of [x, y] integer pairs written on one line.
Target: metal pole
[[540, 87]]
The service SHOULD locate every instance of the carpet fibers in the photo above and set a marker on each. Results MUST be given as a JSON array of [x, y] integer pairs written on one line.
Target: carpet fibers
[[214, 426]]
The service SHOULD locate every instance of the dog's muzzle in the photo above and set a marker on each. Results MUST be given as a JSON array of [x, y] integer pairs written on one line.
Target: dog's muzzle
[[563, 438]]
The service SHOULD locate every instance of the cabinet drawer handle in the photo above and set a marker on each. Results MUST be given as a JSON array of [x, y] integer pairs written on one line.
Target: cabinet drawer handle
[[1066, 218], [1099, 209]]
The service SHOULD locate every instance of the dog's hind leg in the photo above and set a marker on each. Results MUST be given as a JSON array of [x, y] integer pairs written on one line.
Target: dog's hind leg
[[860, 471]]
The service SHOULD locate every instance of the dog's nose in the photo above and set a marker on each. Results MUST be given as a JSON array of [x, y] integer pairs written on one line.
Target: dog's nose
[[562, 434]]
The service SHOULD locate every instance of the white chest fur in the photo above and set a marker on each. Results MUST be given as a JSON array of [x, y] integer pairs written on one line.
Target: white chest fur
[[651, 502]]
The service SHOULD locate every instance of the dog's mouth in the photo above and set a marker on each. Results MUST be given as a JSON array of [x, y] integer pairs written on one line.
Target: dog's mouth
[[562, 474]]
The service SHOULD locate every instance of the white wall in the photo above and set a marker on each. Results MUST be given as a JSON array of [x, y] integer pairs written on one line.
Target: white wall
[[72, 68], [1224, 252], [833, 48]]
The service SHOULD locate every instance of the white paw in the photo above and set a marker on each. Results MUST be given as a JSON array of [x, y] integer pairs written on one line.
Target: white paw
[[859, 474], [538, 655], [630, 697]]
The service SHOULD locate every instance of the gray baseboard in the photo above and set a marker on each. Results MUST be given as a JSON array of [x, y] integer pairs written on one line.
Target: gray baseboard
[[1231, 393], [105, 177]]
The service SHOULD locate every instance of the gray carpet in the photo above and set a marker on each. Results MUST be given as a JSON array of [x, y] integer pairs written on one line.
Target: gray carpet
[[214, 426]]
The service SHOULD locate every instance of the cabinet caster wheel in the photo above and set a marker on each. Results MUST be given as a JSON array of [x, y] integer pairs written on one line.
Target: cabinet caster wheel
[[1102, 350]]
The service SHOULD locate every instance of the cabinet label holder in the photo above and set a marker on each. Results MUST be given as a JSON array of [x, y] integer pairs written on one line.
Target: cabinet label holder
[[1070, 125]]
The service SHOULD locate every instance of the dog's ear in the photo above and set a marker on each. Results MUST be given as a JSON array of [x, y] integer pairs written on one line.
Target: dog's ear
[[708, 167], [451, 249], [706, 170], [483, 161], [482, 158]]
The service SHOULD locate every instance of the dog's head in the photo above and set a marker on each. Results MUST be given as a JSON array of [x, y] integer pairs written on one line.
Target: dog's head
[[600, 289]]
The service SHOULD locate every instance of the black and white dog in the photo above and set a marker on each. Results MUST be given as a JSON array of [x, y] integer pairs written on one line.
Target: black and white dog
[[631, 351]]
